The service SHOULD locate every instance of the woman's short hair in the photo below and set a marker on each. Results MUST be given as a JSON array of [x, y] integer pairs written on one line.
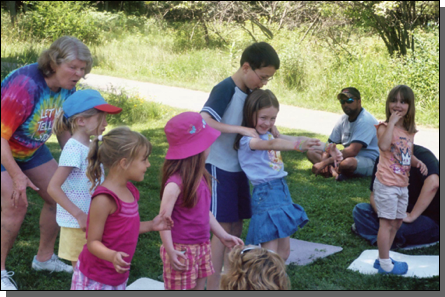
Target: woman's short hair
[[63, 50]]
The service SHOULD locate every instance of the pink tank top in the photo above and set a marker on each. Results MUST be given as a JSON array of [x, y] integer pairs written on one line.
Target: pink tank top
[[121, 233], [395, 164], [192, 225]]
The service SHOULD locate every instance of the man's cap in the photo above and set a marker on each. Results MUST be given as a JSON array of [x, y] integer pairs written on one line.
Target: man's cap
[[349, 92]]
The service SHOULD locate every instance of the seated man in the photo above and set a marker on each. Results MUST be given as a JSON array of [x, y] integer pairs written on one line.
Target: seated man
[[355, 130], [421, 226]]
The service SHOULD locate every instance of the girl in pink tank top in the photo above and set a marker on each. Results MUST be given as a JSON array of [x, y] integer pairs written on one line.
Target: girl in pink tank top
[[113, 224]]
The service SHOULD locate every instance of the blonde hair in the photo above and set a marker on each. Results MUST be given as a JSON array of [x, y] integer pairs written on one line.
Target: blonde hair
[[117, 144], [255, 269], [64, 50], [61, 123]]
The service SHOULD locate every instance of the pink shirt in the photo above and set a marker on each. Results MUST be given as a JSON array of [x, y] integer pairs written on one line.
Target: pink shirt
[[192, 225], [395, 164], [121, 233]]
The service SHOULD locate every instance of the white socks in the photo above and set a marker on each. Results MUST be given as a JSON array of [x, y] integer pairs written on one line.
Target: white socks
[[386, 264]]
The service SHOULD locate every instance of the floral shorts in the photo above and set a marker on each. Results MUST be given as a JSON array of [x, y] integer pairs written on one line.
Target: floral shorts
[[198, 265]]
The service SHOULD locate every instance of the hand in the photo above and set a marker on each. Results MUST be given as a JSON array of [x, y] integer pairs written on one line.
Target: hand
[[161, 223], [119, 264], [230, 241], [409, 218], [394, 118], [177, 260], [249, 132], [19, 185], [422, 167], [335, 153], [275, 132], [309, 143], [82, 220]]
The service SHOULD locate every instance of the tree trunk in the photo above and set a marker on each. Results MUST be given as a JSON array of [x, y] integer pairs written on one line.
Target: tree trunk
[[12, 11]]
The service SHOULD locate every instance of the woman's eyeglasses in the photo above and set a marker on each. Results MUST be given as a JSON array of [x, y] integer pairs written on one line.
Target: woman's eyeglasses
[[252, 248]]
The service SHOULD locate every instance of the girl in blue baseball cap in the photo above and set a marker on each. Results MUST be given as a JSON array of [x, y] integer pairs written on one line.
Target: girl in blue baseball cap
[[83, 115]]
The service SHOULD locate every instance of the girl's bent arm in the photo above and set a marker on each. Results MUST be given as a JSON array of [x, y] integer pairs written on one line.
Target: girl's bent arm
[[56, 192], [171, 193], [101, 207], [419, 164], [384, 135], [159, 223]]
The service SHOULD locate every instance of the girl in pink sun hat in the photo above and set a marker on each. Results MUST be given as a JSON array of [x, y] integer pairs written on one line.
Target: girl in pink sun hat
[[185, 196]]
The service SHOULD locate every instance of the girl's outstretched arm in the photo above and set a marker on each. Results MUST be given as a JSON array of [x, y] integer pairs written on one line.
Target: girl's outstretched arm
[[101, 207], [282, 144], [159, 223]]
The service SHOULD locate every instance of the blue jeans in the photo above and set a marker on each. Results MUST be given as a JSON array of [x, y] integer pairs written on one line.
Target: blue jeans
[[422, 231]]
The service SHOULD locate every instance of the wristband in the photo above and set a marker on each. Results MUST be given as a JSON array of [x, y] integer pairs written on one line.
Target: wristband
[[297, 145]]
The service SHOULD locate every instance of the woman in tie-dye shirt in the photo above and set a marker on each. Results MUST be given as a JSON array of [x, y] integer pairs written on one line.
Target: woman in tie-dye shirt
[[31, 97]]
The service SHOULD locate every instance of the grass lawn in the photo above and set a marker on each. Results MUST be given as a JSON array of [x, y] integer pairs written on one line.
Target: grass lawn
[[328, 204]]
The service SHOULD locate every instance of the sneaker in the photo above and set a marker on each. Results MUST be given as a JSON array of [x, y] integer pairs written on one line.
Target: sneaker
[[354, 229], [400, 268], [52, 265], [8, 284], [377, 263]]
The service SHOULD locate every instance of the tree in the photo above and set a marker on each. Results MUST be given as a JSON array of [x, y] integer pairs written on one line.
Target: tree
[[394, 21]]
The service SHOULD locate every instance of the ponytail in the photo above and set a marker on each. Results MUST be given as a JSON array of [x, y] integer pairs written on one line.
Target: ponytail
[[94, 170], [61, 123]]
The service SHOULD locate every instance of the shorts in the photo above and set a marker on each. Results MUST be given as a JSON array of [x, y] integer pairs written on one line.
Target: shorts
[[365, 166], [391, 201], [41, 156], [274, 215], [71, 243], [230, 195], [82, 282], [198, 265]]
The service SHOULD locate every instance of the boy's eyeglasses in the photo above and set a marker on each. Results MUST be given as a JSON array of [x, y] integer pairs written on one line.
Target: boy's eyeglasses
[[349, 100], [262, 79]]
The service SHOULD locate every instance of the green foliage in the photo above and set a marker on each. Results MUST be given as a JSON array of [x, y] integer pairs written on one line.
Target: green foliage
[[134, 108], [53, 19]]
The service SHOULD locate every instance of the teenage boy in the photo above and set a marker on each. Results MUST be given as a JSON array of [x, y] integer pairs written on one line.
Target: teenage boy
[[224, 112]]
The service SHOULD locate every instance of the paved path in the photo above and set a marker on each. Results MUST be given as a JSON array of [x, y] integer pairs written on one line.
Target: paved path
[[290, 116]]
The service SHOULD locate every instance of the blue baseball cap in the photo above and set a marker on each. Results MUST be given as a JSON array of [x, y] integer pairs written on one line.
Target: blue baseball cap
[[83, 100]]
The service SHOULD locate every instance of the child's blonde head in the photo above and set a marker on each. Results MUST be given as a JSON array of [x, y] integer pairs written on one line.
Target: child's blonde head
[[406, 94], [255, 268], [116, 145], [62, 123]]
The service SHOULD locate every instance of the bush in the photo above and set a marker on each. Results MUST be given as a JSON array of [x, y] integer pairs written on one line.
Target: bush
[[53, 19], [134, 108]]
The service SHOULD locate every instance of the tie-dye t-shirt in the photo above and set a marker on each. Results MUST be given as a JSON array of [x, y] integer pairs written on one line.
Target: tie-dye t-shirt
[[28, 110]]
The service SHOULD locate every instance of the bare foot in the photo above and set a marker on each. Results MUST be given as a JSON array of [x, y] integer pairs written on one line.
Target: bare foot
[[318, 168]]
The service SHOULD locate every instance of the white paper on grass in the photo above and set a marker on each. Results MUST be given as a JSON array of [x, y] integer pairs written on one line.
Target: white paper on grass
[[145, 283], [418, 266]]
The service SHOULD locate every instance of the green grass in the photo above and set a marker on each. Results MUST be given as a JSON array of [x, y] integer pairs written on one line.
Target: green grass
[[328, 204]]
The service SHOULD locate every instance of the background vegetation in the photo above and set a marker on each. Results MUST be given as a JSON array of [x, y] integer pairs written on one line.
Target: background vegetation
[[323, 46]]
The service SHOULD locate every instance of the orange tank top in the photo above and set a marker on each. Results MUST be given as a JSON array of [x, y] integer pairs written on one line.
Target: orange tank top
[[395, 164]]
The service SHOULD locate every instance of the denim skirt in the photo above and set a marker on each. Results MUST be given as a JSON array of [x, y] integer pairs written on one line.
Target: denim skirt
[[274, 215]]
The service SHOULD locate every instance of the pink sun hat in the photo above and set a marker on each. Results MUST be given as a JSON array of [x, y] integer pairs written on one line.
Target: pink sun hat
[[188, 135]]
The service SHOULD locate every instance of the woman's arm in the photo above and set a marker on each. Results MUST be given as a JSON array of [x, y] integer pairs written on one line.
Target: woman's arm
[[63, 137], [429, 190], [19, 180]]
